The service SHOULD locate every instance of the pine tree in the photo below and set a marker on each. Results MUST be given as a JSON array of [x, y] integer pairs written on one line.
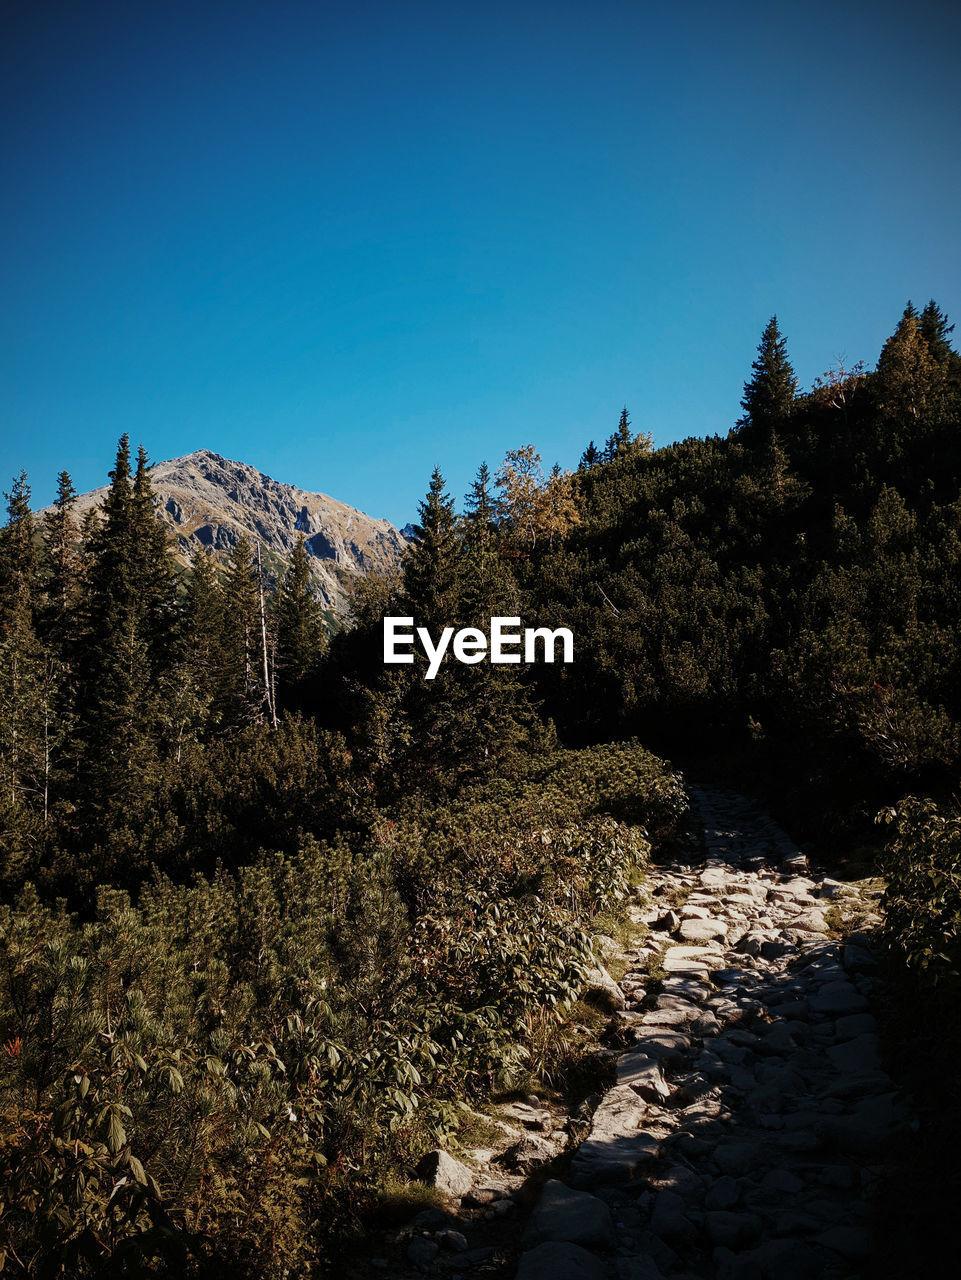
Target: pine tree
[[907, 376], [589, 458], [202, 678], [934, 328], [481, 505], [125, 657], [24, 693], [61, 543], [299, 620], [620, 442], [247, 650], [769, 395], [152, 564], [431, 574]]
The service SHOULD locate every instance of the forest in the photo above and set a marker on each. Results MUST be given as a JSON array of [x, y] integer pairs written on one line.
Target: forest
[[272, 911]]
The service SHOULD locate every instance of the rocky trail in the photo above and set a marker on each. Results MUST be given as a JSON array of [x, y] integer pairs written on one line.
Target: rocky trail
[[750, 1118]]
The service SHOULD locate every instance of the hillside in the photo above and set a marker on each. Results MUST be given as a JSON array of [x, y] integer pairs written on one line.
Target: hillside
[[209, 501]]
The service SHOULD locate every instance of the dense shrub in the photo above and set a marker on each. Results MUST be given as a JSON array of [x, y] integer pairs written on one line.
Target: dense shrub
[[221, 1073], [922, 902]]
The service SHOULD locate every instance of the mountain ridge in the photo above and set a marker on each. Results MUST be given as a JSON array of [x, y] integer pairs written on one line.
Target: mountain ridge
[[207, 501]]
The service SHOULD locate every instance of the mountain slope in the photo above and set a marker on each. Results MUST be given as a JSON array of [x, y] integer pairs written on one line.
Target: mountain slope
[[209, 501]]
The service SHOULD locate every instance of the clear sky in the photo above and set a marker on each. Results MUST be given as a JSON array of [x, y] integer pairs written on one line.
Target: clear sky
[[346, 242]]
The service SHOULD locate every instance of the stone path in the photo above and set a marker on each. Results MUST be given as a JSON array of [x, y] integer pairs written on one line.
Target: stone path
[[744, 1135], [750, 1117]]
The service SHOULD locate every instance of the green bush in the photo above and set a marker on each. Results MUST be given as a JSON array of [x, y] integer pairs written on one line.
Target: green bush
[[223, 1074], [922, 902]]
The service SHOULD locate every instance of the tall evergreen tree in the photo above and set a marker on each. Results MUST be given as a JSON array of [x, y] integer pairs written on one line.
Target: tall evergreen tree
[[589, 458], [61, 543], [480, 504], [203, 676], [907, 376], [769, 395], [934, 328], [250, 692], [124, 655], [299, 620], [431, 572], [24, 696]]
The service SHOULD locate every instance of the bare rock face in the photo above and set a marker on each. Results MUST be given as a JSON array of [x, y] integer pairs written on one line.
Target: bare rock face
[[208, 502]]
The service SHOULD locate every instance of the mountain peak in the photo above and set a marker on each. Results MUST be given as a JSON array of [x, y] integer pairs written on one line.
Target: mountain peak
[[209, 502]]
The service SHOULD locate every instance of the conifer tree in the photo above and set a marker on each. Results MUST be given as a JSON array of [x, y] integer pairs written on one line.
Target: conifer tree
[[124, 657], [24, 693], [769, 395], [61, 543], [907, 376], [203, 676], [431, 573], [934, 328], [249, 691], [299, 621], [481, 505], [589, 458]]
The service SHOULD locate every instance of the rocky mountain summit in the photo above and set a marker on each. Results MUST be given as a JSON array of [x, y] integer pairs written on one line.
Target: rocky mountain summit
[[209, 501]]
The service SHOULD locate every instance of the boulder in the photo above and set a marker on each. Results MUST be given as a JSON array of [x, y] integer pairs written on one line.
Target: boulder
[[601, 989], [422, 1252], [559, 1261], [575, 1217], [440, 1170], [644, 1075], [859, 1056], [695, 930]]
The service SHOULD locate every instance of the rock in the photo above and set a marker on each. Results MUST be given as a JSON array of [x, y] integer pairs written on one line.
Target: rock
[[733, 1230], [781, 1182], [875, 1122], [422, 1252], [607, 1158], [481, 1197], [775, 950], [857, 959], [857, 1057], [702, 930], [834, 889], [440, 1170], [691, 1089], [836, 998], [749, 944], [855, 1024], [810, 922], [528, 1152], [667, 923], [714, 878], [601, 989], [635, 1268], [556, 1261], [574, 1217], [852, 1243], [669, 1220], [670, 1017], [474, 1257], [644, 1075], [432, 1220], [663, 1044], [456, 1241], [724, 1193], [736, 1158]]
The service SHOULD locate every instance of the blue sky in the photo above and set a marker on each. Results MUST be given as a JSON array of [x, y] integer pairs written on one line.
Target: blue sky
[[347, 243]]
